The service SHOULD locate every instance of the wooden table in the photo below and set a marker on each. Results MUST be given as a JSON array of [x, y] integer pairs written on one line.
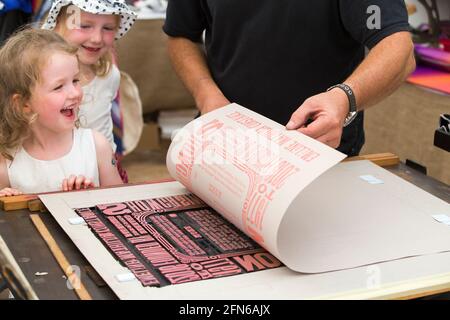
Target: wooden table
[[33, 254]]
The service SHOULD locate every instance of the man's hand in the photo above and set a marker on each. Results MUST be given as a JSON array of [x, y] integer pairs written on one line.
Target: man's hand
[[77, 183], [8, 192], [327, 111]]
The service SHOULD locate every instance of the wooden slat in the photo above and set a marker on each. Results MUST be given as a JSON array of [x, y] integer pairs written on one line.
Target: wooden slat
[[382, 159], [36, 205], [79, 288], [16, 202]]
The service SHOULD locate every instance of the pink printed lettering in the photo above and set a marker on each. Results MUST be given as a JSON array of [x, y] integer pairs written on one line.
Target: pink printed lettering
[[114, 209]]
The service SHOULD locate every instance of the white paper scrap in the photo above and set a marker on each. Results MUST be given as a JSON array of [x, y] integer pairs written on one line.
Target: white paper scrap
[[371, 179], [125, 277], [76, 221], [441, 218]]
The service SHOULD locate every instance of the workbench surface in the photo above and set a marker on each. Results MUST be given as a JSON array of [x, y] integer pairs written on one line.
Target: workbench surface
[[33, 255]]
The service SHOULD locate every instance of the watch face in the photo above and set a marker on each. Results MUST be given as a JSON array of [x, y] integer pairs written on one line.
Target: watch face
[[350, 117]]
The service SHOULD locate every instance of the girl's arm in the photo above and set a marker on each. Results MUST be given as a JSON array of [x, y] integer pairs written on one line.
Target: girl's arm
[[5, 189], [107, 164]]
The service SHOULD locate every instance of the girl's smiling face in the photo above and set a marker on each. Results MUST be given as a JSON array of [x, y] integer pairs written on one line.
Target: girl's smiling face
[[56, 97], [93, 34]]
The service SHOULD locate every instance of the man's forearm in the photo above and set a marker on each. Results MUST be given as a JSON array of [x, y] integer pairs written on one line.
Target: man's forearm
[[384, 69], [189, 62]]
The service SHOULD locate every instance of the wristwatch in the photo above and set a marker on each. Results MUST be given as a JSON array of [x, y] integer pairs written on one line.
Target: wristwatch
[[352, 102]]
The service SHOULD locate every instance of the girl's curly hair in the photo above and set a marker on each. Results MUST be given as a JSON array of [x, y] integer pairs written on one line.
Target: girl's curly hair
[[22, 58]]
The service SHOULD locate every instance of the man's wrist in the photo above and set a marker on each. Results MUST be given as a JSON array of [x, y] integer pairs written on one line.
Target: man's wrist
[[352, 108], [202, 92], [343, 103], [210, 100], [350, 95]]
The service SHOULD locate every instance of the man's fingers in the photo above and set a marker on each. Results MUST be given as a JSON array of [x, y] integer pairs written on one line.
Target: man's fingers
[[317, 128], [300, 116]]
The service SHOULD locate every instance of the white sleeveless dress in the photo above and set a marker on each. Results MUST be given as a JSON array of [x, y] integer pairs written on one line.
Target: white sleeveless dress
[[31, 175]]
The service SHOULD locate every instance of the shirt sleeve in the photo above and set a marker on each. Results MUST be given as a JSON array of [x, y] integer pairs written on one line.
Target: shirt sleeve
[[370, 21], [185, 18]]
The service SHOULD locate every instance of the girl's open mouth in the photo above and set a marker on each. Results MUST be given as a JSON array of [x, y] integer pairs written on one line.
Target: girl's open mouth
[[68, 112], [90, 49]]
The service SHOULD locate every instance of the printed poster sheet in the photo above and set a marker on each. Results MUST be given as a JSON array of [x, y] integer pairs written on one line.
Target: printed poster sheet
[[248, 168]]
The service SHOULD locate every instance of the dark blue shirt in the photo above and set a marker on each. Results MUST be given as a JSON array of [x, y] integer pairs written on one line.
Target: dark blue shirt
[[271, 55]]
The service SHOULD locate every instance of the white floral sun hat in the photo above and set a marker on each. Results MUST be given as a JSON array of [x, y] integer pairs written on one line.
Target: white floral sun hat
[[117, 7]]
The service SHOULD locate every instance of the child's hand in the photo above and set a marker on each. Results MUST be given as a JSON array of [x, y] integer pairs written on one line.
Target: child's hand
[[7, 192], [77, 183]]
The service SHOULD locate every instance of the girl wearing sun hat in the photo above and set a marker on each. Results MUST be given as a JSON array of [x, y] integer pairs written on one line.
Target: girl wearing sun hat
[[101, 7], [93, 26]]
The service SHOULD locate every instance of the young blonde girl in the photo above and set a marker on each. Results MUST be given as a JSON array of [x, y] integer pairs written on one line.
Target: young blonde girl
[[41, 149], [93, 26]]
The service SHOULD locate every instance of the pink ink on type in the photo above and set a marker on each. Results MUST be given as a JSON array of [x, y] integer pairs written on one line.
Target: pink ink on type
[[177, 239]]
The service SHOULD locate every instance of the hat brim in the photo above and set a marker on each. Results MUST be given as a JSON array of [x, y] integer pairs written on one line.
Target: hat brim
[[127, 16]]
